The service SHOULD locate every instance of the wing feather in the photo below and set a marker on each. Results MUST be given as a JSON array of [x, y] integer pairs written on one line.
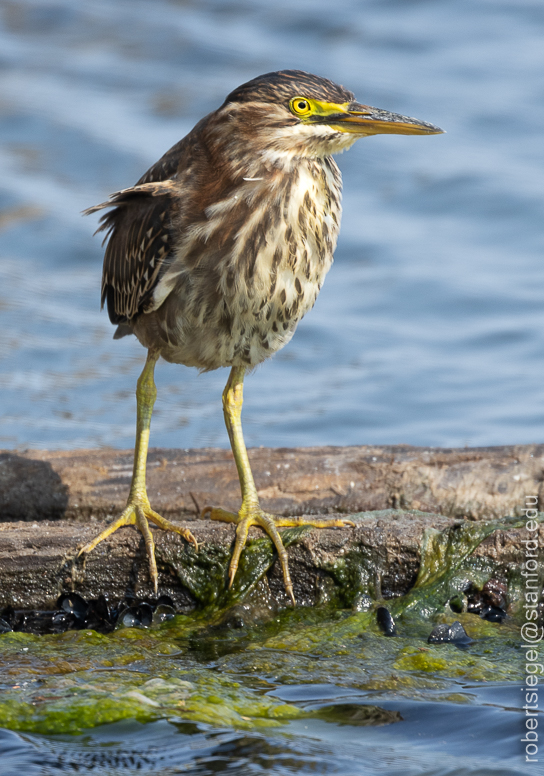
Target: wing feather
[[139, 233]]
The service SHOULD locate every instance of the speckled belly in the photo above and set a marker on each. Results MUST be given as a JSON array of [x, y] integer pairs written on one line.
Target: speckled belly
[[237, 305]]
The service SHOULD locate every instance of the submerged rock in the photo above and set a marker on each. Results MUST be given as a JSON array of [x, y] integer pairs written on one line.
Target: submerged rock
[[359, 714]]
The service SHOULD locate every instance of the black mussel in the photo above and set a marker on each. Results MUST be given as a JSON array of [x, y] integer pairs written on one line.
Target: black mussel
[[492, 614], [98, 609], [165, 600], [490, 602], [99, 617], [39, 622], [129, 618], [8, 615], [450, 634], [62, 621], [140, 615], [494, 594], [146, 614], [74, 613], [162, 613], [72, 603], [386, 622]]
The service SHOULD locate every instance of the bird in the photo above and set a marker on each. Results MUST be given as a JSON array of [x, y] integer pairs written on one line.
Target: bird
[[218, 251]]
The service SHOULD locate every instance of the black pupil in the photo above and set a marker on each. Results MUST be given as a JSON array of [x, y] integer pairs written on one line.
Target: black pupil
[[302, 105]]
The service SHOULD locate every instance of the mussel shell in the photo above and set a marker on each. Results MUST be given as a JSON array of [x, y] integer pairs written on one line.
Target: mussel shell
[[386, 622], [449, 634]]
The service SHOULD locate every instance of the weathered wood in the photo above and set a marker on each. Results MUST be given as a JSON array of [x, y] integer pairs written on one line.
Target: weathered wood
[[478, 483], [53, 502], [37, 559]]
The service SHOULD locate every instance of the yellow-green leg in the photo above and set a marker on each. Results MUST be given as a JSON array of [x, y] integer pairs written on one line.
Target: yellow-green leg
[[138, 510], [250, 512]]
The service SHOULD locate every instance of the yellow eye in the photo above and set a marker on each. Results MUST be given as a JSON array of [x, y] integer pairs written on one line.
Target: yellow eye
[[300, 106]]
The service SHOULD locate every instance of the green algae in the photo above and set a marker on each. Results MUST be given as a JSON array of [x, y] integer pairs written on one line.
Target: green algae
[[66, 683], [62, 684], [200, 668], [205, 573], [446, 564]]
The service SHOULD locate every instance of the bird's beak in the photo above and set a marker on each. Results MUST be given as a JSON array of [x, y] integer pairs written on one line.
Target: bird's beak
[[364, 120]]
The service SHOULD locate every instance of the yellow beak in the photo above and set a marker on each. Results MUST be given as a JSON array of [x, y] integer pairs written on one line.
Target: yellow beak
[[364, 120]]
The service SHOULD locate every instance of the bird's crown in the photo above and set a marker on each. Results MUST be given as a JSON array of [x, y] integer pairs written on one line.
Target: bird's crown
[[283, 85]]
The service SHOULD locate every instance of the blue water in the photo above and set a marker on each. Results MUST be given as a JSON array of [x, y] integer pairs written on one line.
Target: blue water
[[430, 327], [432, 739]]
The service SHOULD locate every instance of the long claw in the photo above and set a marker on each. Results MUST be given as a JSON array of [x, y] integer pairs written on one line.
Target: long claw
[[167, 525], [241, 538], [254, 515], [139, 513], [143, 525], [126, 518]]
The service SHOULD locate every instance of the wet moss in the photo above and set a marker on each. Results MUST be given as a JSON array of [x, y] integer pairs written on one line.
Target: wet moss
[[205, 573]]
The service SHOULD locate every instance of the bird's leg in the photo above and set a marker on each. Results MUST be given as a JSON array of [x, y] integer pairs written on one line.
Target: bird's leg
[[138, 510], [250, 512]]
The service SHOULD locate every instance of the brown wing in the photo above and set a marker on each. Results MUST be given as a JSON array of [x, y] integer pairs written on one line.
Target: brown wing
[[139, 234], [168, 164], [139, 231]]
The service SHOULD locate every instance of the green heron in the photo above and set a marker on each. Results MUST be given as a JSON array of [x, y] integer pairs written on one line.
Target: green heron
[[221, 248]]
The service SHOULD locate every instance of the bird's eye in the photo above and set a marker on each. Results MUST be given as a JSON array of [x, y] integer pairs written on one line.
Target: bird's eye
[[300, 106]]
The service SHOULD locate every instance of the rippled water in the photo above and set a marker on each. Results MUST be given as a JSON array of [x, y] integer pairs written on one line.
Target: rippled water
[[438, 739], [429, 329]]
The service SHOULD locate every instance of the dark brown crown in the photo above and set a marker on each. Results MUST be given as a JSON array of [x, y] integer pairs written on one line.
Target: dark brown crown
[[283, 85]]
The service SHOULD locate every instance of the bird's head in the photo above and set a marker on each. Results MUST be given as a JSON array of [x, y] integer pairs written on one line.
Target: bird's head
[[292, 114]]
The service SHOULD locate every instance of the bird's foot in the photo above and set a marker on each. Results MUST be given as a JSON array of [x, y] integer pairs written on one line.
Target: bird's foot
[[254, 515], [138, 512]]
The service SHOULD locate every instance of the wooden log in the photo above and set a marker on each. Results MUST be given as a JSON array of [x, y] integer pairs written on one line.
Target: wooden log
[[474, 483], [53, 502], [37, 560]]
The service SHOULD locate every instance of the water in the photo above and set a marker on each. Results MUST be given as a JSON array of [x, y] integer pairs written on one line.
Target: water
[[308, 691], [428, 331], [458, 745]]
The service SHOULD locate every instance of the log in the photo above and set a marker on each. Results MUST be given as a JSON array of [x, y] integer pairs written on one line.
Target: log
[[51, 503], [38, 560], [473, 483]]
